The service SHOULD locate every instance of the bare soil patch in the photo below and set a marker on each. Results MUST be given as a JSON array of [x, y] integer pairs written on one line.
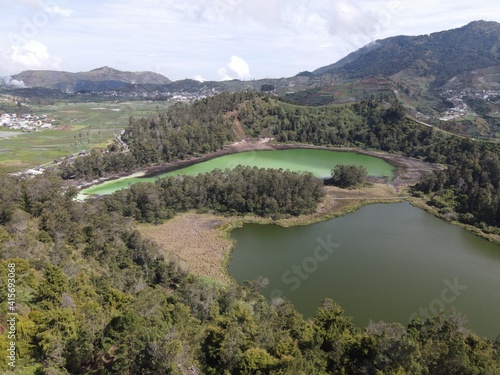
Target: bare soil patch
[[409, 170]]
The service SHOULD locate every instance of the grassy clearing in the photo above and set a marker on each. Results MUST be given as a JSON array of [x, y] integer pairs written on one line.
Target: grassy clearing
[[196, 242], [80, 126], [202, 244]]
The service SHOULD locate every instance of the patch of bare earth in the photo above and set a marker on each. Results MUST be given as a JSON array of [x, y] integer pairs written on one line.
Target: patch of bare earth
[[196, 242]]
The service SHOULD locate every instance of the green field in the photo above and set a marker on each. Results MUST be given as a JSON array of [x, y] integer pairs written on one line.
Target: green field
[[80, 126]]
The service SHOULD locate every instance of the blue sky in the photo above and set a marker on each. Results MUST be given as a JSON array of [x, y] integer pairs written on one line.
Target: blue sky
[[213, 39]]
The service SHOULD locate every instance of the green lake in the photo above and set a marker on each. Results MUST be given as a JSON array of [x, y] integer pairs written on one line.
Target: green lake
[[318, 162], [386, 262]]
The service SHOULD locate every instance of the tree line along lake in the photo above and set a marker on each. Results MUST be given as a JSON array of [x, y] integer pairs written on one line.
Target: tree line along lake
[[318, 162]]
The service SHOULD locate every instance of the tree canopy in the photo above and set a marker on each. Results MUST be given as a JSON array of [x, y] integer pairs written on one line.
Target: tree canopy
[[244, 190], [347, 176]]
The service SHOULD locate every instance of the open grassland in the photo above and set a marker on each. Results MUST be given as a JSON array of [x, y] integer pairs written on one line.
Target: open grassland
[[77, 127], [202, 244], [196, 242]]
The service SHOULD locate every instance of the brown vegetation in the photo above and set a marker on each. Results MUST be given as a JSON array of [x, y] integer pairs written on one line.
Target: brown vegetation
[[195, 241]]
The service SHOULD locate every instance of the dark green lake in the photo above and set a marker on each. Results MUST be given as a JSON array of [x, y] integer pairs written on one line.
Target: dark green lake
[[318, 162], [383, 262]]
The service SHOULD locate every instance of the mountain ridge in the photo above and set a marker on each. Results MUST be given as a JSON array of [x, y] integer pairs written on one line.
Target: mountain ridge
[[449, 78], [443, 54], [399, 52], [99, 79]]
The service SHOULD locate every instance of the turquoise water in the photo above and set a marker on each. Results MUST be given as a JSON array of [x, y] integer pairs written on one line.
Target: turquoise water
[[318, 162]]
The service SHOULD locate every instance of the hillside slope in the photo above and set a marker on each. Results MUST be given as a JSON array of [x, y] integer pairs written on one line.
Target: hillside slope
[[101, 79], [442, 55]]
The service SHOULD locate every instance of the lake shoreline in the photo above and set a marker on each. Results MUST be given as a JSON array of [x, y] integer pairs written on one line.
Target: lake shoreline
[[407, 170], [421, 203], [398, 240], [198, 258]]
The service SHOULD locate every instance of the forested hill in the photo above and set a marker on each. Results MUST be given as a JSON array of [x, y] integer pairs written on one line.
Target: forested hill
[[211, 123], [468, 190], [442, 54]]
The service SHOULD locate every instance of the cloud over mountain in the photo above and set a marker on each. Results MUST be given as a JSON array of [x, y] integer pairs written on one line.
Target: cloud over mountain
[[236, 66]]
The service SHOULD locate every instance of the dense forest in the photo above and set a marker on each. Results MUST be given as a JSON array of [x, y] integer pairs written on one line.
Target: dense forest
[[264, 192], [183, 131], [348, 176], [209, 124], [93, 296], [469, 188]]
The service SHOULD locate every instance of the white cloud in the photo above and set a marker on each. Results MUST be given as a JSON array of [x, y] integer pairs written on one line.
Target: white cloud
[[223, 75], [199, 78], [235, 68], [13, 82], [33, 54], [30, 3], [53, 8], [347, 17], [239, 66], [49, 6], [181, 38]]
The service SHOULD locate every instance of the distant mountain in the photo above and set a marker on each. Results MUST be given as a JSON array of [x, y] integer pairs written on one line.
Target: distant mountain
[[449, 79], [442, 55], [347, 59], [101, 79]]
